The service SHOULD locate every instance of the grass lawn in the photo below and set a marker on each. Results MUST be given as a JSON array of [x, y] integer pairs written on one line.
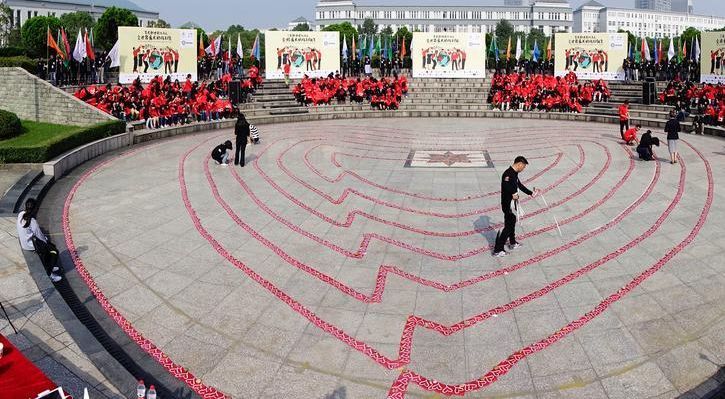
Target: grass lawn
[[37, 134]]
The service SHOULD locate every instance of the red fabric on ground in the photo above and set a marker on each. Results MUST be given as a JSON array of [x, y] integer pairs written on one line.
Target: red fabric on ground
[[19, 378]]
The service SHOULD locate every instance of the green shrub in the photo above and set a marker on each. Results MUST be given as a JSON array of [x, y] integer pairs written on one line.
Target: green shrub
[[13, 52], [9, 125], [52, 148], [21, 61]]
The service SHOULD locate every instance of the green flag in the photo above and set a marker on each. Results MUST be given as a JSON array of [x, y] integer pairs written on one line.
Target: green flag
[[378, 46]]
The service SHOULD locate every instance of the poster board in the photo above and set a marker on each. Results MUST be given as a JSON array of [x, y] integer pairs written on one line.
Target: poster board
[[449, 55], [148, 52], [712, 58], [315, 54], [591, 55]]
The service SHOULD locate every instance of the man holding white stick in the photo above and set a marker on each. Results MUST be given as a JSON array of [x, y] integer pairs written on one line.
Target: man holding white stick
[[510, 185]]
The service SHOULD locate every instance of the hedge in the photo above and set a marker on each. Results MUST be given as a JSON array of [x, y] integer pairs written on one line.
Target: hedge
[[50, 150], [23, 62], [9, 125], [13, 52]]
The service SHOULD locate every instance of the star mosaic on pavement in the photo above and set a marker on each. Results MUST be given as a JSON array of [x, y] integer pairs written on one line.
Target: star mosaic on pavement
[[448, 158]]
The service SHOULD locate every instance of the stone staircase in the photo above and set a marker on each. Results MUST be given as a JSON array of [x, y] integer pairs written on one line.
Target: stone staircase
[[273, 98], [455, 98]]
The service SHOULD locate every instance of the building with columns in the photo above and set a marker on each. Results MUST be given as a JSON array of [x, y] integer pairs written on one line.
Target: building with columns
[[595, 17], [550, 16], [22, 10]]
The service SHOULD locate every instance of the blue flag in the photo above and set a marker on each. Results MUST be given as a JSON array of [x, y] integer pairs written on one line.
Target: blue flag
[[536, 51], [371, 48]]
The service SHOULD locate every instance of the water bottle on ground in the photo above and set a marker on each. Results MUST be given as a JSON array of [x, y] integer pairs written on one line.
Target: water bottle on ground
[[152, 393], [140, 389]]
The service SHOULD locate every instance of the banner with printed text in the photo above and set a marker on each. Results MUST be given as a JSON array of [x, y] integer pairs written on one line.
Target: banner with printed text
[[148, 52], [315, 54], [712, 57], [591, 55], [449, 55]]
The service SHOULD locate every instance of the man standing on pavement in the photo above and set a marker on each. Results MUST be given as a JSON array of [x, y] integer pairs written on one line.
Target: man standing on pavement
[[510, 185]]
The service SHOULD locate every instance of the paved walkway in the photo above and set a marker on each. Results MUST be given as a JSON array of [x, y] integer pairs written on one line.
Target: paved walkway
[[328, 268], [41, 337]]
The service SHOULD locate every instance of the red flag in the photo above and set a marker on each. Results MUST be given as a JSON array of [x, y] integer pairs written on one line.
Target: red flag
[[403, 50], [659, 53], [66, 44], [89, 48], [202, 53], [52, 44]]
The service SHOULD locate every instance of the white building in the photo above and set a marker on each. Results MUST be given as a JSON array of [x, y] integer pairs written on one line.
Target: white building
[[300, 21], [594, 17], [22, 10], [656, 5], [684, 6], [550, 16]]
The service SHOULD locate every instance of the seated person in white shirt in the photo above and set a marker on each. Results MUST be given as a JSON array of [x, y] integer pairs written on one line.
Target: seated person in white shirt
[[33, 239]]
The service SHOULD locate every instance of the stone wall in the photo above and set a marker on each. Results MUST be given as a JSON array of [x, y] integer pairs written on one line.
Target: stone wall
[[37, 100]]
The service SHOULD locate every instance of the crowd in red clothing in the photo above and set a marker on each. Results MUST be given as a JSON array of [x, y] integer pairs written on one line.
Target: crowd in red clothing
[[518, 91], [707, 100], [163, 102], [384, 93]]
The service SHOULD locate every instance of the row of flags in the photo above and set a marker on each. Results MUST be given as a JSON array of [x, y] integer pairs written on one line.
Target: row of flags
[[368, 46], [215, 47], [536, 54], [83, 47], [680, 50]]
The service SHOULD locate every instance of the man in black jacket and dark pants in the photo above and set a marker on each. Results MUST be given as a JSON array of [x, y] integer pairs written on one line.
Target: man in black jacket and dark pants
[[510, 185], [241, 130]]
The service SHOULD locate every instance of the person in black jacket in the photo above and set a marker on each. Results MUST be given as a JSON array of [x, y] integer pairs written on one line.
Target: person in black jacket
[[644, 149], [220, 154], [241, 130], [510, 185], [672, 128]]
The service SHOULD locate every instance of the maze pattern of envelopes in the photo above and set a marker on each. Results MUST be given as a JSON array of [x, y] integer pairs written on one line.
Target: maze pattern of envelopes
[[325, 266]]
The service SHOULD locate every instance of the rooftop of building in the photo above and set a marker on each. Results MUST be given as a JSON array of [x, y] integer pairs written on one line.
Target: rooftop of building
[[96, 3]]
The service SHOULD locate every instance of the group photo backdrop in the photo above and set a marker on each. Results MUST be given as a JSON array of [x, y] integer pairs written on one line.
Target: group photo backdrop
[[148, 52], [712, 57], [449, 55], [591, 55], [315, 54]]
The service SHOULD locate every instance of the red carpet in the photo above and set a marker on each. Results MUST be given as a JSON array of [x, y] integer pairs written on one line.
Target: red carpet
[[19, 378]]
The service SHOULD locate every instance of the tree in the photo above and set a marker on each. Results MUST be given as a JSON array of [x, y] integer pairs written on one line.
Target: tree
[[368, 27], [504, 30], [536, 36], [160, 23], [6, 16], [302, 28], [387, 31], [688, 36], [73, 21], [35, 33], [201, 35], [404, 33], [106, 29]]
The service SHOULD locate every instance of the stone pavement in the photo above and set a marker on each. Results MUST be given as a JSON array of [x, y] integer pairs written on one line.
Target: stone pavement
[[41, 337], [327, 269]]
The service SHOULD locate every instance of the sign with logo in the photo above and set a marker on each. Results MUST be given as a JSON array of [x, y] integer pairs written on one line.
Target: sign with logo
[[449, 55], [315, 54], [150, 52]]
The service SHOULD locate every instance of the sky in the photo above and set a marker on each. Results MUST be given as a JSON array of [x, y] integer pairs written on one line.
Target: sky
[[220, 14]]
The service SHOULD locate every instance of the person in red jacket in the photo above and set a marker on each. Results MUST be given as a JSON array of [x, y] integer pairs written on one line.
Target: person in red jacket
[[630, 136], [623, 118]]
